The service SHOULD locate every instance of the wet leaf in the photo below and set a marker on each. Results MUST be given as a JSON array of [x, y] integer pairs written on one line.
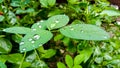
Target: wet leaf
[[57, 21], [85, 32], [39, 25], [17, 30], [34, 39]]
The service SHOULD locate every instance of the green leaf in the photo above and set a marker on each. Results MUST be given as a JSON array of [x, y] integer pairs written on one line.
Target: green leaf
[[15, 58], [110, 12], [5, 46], [69, 61], [58, 37], [85, 32], [39, 25], [78, 59], [1, 18], [19, 30], [46, 3], [60, 65], [51, 2], [77, 66], [73, 1], [57, 21], [49, 53], [34, 39], [2, 65]]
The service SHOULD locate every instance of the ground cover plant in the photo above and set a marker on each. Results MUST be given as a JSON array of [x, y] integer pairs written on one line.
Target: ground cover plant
[[59, 34]]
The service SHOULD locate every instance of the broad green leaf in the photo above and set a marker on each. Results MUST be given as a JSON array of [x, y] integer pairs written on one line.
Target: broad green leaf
[[73, 1], [57, 21], [110, 12], [58, 37], [5, 46], [51, 2], [49, 53], [77, 66], [1, 18], [60, 65], [69, 61], [78, 59], [2, 65], [44, 3], [34, 39], [3, 58], [39, 25], [47, 3], [15, 58], [85, 32], [20, 11], [17, 30], [87, 52]]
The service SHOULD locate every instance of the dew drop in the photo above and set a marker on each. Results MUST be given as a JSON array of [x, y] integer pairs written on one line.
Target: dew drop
[[52, 25], [32, 41], [82, 31], [105, 37], [4, 29], [34, 29], [41, 21], [38, 23], [36, 37], [23, 49], [21, 43], [40, 26], [56, 21], [71, 29]]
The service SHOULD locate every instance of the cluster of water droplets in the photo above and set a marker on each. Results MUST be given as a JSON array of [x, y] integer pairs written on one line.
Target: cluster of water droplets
[[54, 24]]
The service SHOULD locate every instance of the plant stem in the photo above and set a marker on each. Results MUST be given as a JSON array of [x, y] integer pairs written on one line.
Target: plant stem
[[22, 60], [37, 54]]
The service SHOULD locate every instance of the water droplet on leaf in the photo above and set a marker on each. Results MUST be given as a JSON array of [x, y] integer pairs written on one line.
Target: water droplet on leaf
[[38, 23], [52, 25], [41, 21], [21, 43], [32, 41], [71, 29], [56, 21], [23, 49], [34, 29], [4, 29], [36, 37], [40, 26]]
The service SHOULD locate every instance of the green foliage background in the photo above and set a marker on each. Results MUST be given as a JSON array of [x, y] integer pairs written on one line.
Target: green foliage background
[[73, 34]]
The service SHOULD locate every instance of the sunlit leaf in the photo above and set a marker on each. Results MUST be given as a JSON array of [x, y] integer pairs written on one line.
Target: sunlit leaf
[[34, 39], [69, 61], [57, 21], [78, 59], [85, 32], [77, 66], [49, 53], [17, 30], [60, 65]]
